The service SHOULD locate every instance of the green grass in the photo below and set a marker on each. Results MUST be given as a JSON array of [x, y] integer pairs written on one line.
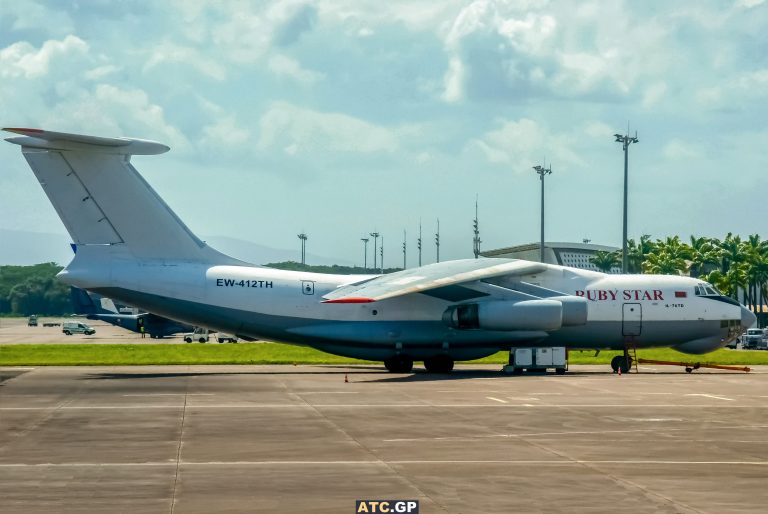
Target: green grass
[[275, 353], [146, 354]]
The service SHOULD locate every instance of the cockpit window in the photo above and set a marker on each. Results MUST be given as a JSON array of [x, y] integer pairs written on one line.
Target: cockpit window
[[706, 290]]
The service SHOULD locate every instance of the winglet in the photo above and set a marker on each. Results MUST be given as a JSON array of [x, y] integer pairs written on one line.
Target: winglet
[[350, 300]]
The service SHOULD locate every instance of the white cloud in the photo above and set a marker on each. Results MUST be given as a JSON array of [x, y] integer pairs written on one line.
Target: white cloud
[[100, 72], [297, 130], [524, 142], [170, 53], [678, 150], [32, 15], [454, 81], [284, 66], [23, 60]]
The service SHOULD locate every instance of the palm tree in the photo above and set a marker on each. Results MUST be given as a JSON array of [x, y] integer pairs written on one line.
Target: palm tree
[[705, 255], [637, 253], [605, 261], [668, 257]]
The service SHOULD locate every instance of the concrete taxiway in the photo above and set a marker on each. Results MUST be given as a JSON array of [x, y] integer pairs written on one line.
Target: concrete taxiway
[[301, 439]]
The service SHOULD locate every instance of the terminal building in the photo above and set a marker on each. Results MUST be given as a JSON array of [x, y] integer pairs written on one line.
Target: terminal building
[[575, 255]]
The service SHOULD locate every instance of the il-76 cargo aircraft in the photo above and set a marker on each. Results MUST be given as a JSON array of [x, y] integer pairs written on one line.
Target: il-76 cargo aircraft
[[132, 247]]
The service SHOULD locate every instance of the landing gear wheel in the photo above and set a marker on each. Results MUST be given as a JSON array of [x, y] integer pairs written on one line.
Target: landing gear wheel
[[560, 371], [620, 362], [399, 364], [439, 364]]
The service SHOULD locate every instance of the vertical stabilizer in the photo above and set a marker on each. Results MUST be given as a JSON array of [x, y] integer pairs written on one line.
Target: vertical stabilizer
[[102, 199]]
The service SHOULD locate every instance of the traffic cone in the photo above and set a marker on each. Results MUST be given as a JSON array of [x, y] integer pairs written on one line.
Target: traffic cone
[[346, 379]]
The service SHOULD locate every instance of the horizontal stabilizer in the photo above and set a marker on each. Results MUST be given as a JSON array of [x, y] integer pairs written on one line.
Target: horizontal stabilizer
[[37, 138]]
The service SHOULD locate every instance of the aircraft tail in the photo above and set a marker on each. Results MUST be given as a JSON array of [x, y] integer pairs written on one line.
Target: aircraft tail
[[102, 199], [82, 303]]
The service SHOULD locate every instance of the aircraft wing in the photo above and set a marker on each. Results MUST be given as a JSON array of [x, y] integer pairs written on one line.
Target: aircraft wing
[[432, 276]]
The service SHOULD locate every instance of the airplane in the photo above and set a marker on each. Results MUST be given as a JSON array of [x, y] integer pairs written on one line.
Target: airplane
[[131, 246], [94, 306]]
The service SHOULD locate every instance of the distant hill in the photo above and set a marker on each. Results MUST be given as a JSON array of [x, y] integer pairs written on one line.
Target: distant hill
[[21, 248]]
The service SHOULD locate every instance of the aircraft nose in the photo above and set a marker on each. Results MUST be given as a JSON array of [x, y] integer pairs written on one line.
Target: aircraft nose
[[747, 318]]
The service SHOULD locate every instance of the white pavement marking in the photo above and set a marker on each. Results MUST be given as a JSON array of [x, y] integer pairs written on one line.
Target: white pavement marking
[[711, 396], [496, 399], [554, 461], [562, 433], [326, 392], [171, 394], [383, 406]]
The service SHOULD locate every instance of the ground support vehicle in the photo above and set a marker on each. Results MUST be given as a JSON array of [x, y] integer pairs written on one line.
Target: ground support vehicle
[[76, 327], [537, 360]]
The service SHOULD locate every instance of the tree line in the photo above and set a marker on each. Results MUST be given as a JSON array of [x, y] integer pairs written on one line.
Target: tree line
[[737, 267], [26, 290]]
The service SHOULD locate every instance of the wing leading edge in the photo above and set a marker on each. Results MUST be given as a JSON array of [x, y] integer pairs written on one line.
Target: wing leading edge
[[430, 277]]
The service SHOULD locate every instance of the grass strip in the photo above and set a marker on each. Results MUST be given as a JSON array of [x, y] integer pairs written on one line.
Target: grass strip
[[141, 354]]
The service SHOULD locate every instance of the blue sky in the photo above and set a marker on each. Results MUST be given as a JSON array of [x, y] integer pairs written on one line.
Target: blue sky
[[341, 117]]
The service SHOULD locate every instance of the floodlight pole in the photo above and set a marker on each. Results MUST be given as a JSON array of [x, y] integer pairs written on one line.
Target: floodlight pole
[[418, 243], [405, 246], [476, 240], [303, 238], [375, 236], [542, 172], [365, 252], [625, 141], [381, 250], [437, 240]]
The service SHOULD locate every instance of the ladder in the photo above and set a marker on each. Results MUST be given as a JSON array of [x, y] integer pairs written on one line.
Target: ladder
[[630, 351]]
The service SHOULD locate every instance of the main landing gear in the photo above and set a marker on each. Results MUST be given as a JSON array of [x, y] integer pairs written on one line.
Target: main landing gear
[[399, 364], [404, 364], [439, 364]]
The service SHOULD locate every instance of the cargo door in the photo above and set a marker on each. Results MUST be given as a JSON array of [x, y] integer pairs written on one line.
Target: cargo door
[[632, 319]]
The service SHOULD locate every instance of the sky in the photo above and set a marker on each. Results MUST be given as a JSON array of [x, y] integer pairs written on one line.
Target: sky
[[343, 117]]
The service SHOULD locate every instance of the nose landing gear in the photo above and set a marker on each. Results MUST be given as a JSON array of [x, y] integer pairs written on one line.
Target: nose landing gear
[[621, 362]]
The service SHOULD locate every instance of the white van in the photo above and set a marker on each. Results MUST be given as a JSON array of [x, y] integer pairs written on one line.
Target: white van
[[76, 327], [201, 335]]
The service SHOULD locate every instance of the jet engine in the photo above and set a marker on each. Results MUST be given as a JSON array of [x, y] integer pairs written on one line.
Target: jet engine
[[548, 314]]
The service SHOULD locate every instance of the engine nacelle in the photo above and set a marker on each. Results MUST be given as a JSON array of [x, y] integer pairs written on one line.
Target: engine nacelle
[[574, 310], [506, 315]]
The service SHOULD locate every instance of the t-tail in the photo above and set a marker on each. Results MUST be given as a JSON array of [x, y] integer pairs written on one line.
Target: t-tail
[[110, 211]]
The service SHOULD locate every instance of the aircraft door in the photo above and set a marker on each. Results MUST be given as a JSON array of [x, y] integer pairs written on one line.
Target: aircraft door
[[632, 319]]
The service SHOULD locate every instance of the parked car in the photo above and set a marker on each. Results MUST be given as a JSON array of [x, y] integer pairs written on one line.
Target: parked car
[[752, 337], [76, 327]]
